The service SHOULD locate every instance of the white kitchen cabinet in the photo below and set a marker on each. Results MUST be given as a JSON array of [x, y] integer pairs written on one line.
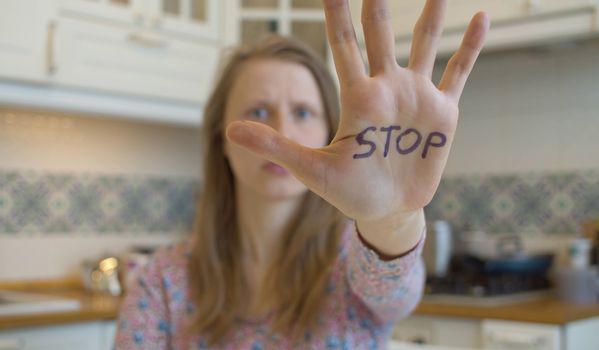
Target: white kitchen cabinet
[[25, 39], [436, 330], [136, 59], [119, 60], [514, 23], [500, 335], [302, 19], [150, 48], [186, 19], [557, 6], [81, 336], [491, 334]]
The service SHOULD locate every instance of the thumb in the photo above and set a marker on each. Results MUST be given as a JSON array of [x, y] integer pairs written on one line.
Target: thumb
[[306, 164]]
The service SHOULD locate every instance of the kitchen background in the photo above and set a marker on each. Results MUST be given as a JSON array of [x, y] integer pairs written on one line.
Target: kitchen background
[[100, 152], [75, 185]]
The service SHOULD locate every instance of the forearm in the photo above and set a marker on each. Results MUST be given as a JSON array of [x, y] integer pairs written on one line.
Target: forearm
[[394, 236]]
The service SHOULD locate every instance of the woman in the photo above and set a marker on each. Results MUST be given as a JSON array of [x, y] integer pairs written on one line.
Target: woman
[[309, 233]]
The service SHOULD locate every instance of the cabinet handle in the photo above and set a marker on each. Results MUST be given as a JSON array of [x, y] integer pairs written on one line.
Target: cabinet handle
[[50, 42], [12, 344], [515, 339], [147, 41]]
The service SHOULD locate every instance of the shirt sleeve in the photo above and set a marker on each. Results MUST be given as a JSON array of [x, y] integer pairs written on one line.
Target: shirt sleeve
[[143, 318], [390, 289]]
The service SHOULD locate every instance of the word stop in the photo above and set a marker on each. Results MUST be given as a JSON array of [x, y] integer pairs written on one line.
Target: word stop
[[434, 139]]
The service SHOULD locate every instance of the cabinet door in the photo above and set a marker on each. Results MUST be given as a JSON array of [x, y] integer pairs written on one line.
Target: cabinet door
[[25, 39], [187, 18], [107, 335], [119, 60], [551, 6], [116, 11], [405, 13]]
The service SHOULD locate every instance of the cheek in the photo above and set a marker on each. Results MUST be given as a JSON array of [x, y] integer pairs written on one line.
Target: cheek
[[239, 158]]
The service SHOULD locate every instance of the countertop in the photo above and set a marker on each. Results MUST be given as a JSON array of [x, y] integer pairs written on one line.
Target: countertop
[[548, 310], [94, 307]]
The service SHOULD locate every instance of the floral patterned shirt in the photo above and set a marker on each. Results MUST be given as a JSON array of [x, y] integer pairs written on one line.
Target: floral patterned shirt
[[366, 295]]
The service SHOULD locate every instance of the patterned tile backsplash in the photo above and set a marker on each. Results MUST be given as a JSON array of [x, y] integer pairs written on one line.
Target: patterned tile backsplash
[[555, 203], [41, 202]]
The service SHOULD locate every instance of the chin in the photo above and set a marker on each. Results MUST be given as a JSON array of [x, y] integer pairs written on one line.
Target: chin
[[285, 193]]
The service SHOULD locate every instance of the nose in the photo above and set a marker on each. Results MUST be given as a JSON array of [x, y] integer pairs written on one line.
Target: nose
[[282, 122]]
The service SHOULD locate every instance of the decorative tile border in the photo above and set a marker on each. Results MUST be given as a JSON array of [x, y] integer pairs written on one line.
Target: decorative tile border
[[524, 203], [39, 202]]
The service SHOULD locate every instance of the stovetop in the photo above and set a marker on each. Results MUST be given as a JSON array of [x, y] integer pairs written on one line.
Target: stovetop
[[472, 277], [486, 285]]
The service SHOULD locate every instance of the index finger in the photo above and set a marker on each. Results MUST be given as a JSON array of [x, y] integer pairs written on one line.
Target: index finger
[[344, 45]]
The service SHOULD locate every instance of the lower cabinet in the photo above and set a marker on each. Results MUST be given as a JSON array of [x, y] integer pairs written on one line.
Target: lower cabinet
[[78, 336], [465, 333], [435, 330]]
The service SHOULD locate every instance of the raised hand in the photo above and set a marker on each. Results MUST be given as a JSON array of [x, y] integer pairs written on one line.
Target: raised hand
[[388, 155]]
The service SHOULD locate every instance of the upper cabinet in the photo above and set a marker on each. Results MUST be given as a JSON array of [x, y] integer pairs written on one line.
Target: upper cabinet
[[302, 19], [25, 50], [186, 19], [147, 59], [164, 49], [513, 22]]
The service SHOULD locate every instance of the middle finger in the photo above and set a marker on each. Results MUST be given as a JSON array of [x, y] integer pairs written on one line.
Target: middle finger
[[378, 33], [427, 32]]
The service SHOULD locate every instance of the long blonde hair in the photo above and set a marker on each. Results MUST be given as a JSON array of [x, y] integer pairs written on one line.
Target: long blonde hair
[[298, 278]]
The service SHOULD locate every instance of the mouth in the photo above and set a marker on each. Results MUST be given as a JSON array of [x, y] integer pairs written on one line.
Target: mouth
[[275, 169]]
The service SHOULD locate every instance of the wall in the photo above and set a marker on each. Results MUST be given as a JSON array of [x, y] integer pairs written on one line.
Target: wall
[[50, 162], [529, 110]]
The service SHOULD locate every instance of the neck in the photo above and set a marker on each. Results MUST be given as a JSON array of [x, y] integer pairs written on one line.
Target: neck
[[262, 222]]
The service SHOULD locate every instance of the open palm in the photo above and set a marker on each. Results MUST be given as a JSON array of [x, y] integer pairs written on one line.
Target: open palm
[[396, 127]]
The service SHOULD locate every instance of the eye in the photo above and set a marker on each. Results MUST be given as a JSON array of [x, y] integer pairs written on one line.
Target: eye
[[303, 113], [259, 113]]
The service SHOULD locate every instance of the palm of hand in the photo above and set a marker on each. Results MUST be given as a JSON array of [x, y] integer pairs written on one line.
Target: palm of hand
[[396, 126], [405, 126]]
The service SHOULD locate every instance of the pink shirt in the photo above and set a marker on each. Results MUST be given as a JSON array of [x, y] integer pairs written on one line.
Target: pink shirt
[[366, 296]]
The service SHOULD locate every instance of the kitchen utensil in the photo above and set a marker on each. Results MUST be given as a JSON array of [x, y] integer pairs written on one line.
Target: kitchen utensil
[[437, 248], [578, 285], [102, 276]]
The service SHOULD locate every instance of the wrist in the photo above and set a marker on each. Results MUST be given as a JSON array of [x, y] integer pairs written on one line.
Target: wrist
[[393, 235]]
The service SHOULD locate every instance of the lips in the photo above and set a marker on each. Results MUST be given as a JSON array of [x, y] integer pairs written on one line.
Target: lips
[[275, 169]]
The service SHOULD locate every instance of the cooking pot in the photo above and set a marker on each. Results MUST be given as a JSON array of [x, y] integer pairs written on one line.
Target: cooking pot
[[521, 264], [490, 246]]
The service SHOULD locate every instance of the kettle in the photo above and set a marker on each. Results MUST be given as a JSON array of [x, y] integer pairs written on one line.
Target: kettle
[[437, 248]]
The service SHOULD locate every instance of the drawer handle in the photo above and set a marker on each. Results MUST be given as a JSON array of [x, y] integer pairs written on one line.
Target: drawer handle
[[147, 41], [50, 50], [515, 339]]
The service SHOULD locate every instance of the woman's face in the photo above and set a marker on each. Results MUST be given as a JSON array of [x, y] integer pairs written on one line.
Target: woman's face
[[284, 96]]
